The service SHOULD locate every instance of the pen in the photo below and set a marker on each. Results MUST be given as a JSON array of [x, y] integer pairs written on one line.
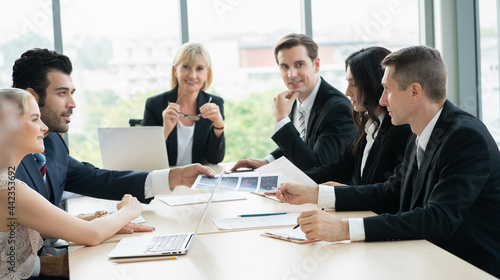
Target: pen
[[129, 260], [297, 225], [262, 214]]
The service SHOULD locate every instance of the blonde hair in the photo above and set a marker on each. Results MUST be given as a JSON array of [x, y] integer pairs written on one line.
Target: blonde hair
[[19, 96], [190, 52]]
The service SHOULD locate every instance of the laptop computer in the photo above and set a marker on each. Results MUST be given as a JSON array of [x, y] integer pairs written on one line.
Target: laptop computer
[[161, 245], [133, 148]]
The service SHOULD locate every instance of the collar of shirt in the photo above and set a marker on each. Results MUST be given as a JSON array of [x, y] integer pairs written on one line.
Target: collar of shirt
[[370, 126], [306, 106], [424, 137]]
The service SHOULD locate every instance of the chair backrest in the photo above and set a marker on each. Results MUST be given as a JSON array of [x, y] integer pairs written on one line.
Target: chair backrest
[[135, 122]]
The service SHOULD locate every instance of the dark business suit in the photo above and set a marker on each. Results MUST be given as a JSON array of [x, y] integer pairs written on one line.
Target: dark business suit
[[453, 200], [207, 148], [329, 130], [65, 173], [385, 154]]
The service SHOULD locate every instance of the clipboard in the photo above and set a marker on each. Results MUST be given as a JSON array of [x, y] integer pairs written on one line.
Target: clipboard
[[290, 235]]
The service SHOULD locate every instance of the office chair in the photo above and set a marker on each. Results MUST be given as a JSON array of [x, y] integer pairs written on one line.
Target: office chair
[[135, 122]]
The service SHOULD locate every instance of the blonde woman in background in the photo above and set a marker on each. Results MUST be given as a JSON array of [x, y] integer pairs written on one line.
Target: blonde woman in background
[[192, 120]]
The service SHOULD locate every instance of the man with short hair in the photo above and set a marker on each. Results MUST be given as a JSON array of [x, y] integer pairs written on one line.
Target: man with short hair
[[47, 76], [447, 189], [313, 119]]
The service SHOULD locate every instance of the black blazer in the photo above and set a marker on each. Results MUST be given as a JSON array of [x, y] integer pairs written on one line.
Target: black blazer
[[66, 173], [386, 153], [207, 148], [329, 130], [453, 200]]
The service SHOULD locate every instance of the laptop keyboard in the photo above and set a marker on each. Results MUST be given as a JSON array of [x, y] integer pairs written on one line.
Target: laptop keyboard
[[165, 243]]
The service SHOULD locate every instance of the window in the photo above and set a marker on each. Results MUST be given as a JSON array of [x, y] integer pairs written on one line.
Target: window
[[489, 66], [121, 53], [240, 37], [341, 28], [26, 25]]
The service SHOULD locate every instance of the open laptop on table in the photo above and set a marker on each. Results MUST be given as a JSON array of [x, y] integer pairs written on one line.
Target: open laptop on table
[[133, 148], [161, 245]]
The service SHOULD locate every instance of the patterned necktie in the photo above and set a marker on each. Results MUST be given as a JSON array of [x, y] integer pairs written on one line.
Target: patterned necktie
[[420, 155], [302, 124], [41, 161]]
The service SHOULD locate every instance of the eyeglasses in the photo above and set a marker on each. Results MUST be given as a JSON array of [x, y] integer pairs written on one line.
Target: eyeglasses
[[195, 118]]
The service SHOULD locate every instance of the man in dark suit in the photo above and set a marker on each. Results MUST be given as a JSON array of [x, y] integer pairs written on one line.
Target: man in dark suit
[[47, 76], [313, 119], [447, 189]]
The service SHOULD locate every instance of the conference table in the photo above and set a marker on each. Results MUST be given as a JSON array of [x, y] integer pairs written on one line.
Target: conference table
[[245, 254]]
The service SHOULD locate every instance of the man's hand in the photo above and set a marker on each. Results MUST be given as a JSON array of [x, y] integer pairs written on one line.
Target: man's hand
[[54, 266], [318, 224], [134, 227], [252, 163], [294, 193], [283, 103], [185, 176]]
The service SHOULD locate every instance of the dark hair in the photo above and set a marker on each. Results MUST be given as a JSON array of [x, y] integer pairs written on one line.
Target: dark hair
[[30, 70], [293, 40], [419, 64], [367, 72]]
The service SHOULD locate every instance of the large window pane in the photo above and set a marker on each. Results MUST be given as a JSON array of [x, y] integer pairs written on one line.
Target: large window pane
[[121, 53], [240, 36], [24, 24], [340, 28], [489, 66]]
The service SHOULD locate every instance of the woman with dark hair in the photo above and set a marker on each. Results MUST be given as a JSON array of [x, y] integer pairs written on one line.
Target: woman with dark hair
[[379, 146]]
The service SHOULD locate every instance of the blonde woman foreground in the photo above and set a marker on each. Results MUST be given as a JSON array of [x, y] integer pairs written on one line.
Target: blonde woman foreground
[[26, 214]]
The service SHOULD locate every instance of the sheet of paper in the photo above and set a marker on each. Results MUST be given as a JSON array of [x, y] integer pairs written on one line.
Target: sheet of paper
[[257, 222], [199, 198], [240, 182], [290, 172]]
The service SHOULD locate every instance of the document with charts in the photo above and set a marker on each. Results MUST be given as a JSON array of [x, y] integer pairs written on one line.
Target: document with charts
[[240, 182]]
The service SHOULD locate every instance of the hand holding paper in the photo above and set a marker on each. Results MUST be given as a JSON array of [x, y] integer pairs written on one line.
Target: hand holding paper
[[294, 193]]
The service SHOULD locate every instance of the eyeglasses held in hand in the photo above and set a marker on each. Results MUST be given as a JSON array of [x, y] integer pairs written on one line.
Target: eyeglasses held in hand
[[191, 117]]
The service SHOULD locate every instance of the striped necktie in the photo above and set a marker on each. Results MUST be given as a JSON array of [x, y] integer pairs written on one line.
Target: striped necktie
[[302, 124], [420, 155], [41, 161]]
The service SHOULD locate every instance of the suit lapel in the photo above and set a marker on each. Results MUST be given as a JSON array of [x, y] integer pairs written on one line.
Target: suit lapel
[[374, 155], [33, 172], [316, 108], [408, 180], [199, 130], [432, 146]]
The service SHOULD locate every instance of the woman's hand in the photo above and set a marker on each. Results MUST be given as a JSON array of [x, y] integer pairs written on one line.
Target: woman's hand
[[211, 111], [131, 204], [170, 118]]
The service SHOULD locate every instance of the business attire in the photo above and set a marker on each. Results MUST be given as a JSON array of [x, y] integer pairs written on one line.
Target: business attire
[[452, 199], [385, 154], [329, 130], [207, 148], [65, 173]]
